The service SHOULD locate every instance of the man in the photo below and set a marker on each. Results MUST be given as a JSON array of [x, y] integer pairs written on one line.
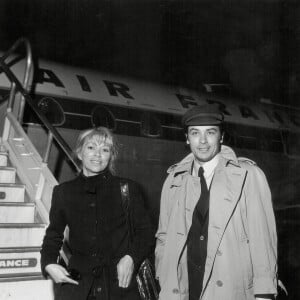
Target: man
[[216, 238]]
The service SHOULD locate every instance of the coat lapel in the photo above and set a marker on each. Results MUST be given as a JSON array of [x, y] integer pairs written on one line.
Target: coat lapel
[[187, 198], [225, 192], [191, 198]]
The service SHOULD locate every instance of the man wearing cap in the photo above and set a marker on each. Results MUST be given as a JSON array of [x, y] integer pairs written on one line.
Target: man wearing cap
[[216, 238]]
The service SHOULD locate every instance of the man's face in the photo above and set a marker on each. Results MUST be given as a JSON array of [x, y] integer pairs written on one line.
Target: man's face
[[204, 141]]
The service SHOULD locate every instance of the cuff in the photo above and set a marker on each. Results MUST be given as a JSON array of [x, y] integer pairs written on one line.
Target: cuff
[[265, 286]]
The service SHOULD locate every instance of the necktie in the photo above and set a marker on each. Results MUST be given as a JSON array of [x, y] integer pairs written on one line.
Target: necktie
[[203, 202], [197, 241]]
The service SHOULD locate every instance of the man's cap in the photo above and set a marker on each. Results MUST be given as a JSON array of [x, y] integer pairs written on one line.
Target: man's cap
[[206, 114]]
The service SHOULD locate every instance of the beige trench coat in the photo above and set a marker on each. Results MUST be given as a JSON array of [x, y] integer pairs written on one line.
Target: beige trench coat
[[242, 240]]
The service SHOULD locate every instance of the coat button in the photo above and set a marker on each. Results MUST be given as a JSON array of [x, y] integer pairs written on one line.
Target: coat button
[[98, 289], [92, 205], [202, 238], [175, 291], [219, 283], [219, 253]]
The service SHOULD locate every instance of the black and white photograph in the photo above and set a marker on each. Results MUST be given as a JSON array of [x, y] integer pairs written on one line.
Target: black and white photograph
[[149, 149]]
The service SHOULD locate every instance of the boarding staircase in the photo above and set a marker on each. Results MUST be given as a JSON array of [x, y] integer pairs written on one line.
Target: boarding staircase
[[22, 225], [26, 185]]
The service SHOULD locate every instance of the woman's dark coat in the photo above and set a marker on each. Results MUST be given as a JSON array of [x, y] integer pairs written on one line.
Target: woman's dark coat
[[98, 232]]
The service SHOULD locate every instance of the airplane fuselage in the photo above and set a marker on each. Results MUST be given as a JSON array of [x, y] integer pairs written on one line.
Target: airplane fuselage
[[146, 120]]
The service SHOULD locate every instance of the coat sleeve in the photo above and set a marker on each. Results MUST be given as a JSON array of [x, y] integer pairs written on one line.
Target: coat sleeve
[[143, 239], [261, 232], [162, 225], [53, 238]]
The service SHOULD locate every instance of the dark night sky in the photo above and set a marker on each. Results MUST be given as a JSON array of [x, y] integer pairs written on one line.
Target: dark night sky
[[254, 45]]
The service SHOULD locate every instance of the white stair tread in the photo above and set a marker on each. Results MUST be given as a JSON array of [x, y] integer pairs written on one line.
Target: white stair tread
[[7, 175], [11, 192], [17, 212], [3, 158], [21, 235], [27, 290]]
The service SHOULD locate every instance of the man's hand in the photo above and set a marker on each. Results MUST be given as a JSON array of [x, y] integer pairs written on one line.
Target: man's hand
[[59, 274], [125, 269]]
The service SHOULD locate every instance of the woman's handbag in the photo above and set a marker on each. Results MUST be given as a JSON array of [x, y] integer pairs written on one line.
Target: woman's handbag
[[147, 284]]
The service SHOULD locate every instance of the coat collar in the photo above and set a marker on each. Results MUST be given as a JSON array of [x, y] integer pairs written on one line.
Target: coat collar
[[227, 156], [90, 183]]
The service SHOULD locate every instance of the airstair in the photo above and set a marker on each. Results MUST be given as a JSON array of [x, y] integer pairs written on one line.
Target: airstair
[[26, 185]]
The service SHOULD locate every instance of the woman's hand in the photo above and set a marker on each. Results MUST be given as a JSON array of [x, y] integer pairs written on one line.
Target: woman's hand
[[125, 269], [59, 274]]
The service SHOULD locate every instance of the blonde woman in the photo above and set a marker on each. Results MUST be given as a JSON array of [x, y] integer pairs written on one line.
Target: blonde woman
[[105, 255]]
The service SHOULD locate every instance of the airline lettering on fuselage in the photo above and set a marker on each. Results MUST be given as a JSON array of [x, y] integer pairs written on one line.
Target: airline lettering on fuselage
[[295, 119], [186, 100], [84, 83], [45, 75], [222, 106], [114, 88], [246, 112], [274, 115], [118, 89]]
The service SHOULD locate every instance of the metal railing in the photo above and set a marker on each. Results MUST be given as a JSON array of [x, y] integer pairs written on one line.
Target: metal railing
[[23, 89]]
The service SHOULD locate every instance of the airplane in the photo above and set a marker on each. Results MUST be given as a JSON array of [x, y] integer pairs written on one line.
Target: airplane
[[146, 119]]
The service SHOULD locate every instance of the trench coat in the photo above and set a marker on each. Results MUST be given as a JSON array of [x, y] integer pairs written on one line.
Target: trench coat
[[242, 241], [86, 208]]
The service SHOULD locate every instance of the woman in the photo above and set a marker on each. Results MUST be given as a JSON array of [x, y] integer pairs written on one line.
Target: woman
[[105, 252]]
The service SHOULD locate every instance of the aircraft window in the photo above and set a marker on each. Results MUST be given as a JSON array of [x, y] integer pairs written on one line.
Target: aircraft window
[[150, 126], [102, 116], [52, 111]]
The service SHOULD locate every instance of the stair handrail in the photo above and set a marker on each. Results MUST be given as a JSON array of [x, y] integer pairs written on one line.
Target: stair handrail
[[24, 90], [28, 72]]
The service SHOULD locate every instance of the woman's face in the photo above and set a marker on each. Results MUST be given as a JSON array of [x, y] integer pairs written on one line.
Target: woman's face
[[95, 156]]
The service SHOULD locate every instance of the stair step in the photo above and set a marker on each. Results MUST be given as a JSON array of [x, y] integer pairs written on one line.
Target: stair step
[[16, 262], [7, 175], [3, 158], [10, 192], [34, 289], [21, 235], [17, 212]]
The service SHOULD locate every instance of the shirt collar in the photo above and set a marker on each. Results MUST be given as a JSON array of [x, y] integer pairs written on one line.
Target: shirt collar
[[208, 167]]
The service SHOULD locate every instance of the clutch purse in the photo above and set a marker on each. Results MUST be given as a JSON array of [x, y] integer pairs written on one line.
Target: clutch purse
[[147, 284]]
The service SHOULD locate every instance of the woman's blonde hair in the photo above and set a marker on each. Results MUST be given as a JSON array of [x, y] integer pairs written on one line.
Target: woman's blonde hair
[[102, 135]]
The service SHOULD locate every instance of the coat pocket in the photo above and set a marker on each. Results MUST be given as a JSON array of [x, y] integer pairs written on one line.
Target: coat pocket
[[246, 262]]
